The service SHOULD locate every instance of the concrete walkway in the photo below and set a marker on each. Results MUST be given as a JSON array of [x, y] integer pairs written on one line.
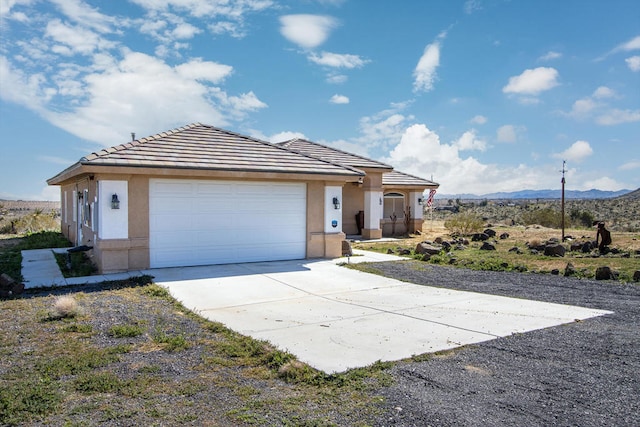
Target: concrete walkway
[[335, 318]]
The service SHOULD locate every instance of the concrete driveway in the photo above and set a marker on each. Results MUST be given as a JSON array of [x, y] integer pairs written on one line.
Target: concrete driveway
[[335, 318]]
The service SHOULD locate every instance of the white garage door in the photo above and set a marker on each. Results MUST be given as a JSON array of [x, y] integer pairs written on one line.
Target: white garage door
[[193, 222]]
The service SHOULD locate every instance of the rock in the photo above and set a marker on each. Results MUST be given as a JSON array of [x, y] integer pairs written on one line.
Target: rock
[[486, 246], [586, 247], [636, 276], [575, 246], [346, 248], [604, 273], [534, 252], [9, 287], [425, 248], [390, 251], [405, 252], [446, 246], [426, 257], [569, 270], [466, 242], [554, 249], [489, 232], [438, 240], [459, 247], [555, 272], [479, 237], [504, 236]]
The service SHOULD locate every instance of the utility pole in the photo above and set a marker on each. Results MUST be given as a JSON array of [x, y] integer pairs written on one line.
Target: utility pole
[[564, 162]]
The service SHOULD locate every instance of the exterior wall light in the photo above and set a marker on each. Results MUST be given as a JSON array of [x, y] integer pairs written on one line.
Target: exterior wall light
[[336, 203], [115, 203], [420, 201]]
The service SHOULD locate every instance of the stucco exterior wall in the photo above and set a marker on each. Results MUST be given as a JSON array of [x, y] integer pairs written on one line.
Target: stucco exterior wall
[[132, 252]]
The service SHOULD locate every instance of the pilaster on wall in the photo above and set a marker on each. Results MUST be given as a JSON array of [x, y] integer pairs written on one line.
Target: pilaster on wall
[[372, 214]]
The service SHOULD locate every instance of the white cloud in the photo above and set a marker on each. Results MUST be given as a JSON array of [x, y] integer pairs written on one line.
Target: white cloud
[[630, 166], [479, 120], [197, 69], [532, 81], [469, 141], [150, 95], [604, 183], [79, 40], [550, 56], [285, 136], [307, 31], [85, 15], [507, 133], [616, 117], [209, 8], [23, 89], [420, 152], [339, 99], [336, 78], [185, 31], [633, 62], [582, 108], [425, 72], [604, 92], [471, 6], [633, 44], [383, 129], [337, 60], [578, 151]]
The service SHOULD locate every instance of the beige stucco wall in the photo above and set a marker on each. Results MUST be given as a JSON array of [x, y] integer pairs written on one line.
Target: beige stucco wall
[[132, 253], [353, 202]]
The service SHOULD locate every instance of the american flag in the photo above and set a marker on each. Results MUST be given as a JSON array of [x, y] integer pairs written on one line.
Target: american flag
[[432, 193]]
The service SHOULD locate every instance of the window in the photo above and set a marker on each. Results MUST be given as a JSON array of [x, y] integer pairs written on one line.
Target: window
[[393, 204], [86, 208]]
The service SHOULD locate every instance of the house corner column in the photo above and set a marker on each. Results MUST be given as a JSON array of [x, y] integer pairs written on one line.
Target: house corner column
[[333, 235], [416, 203], [372, 214]]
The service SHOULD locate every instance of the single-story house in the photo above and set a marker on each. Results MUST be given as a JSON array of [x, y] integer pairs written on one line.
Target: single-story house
[[199, 195]]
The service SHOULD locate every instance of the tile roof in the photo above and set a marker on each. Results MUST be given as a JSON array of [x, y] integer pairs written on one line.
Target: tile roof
[[389, 177], [397, 178], [198, 146], [331, 154]]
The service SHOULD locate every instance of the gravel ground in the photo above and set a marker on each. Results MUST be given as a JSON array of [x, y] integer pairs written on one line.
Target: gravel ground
[[585, 373], [582, 374]]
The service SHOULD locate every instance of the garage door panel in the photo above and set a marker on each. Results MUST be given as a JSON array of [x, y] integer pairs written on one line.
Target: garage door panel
[[215, 222]]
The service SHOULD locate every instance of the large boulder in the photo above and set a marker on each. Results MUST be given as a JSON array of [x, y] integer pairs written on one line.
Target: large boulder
[[479, 237], [486, 246], [426, 248], [605, 273], [554, 249], [489, 232], [9, 287], [570, 270], [587, 247], [636, 276]]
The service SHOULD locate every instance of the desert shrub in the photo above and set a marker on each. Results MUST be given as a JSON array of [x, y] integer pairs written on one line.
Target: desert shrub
[[65, 307], [547, 217], [125, 331], [34, 222], [171, 343], [464, 223], [581, 218]]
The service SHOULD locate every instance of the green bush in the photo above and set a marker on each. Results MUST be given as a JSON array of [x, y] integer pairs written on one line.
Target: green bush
[[581, 218], [464, 223], [546, 217], [125, 331]]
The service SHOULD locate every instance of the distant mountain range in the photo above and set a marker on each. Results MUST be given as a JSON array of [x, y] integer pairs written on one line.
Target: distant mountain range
[[540, 194]]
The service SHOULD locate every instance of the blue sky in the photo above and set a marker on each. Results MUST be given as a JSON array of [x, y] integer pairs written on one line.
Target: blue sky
[[480, 95]]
